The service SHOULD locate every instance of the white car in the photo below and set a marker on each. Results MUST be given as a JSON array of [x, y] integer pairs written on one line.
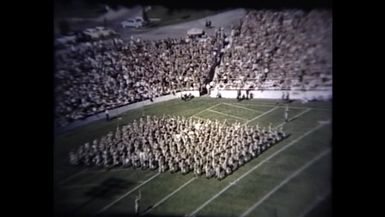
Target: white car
[[134, 22]]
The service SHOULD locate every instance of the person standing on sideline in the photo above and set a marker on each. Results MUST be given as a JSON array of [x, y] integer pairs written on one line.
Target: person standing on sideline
[[107, 115], [283, 96], [287, 97], [137, 200], [287, 113]]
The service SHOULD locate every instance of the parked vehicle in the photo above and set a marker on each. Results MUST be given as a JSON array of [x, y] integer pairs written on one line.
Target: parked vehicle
[[133, 22], [96, 33], [65, 41]]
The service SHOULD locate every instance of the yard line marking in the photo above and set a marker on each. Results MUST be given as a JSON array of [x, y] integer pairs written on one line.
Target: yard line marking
[[106, 170], [78, 186], [238, 106], [304, 107], [265, 105], [233, 116], [254, 168], [202, 119], [293, 118], [295, 107], [274, 108], [126, 194], [315, 203], [71, 177], [206, 109], [293, 175], [169, 195], [299, 114]]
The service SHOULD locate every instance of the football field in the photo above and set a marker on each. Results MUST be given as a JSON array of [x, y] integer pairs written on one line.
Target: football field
[[292, 178]]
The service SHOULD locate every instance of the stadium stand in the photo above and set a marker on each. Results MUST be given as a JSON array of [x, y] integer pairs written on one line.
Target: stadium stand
[[279, 50], [269, 50], [105, 75]]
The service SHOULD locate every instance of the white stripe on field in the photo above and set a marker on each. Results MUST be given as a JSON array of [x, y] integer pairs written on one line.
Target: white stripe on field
[[276, 188], [126, 194], [315, 203], [261, 115], [78, 186], [254, 168], [206, 109], [294, 107], [199, 118], [168, 196], [72, 176], [238, 106], [296, 116], [221, 113]]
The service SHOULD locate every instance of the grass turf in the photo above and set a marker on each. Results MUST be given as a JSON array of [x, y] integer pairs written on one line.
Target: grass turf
[[90, 191]]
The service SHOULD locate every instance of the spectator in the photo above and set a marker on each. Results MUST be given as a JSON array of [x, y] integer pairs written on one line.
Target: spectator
[[107, 115]]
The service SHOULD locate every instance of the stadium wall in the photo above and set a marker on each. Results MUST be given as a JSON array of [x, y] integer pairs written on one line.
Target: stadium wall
[[276, 94]]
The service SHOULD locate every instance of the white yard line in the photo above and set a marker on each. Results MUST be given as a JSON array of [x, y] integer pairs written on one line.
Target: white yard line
[[198, 118], [282, 106], [254, 168], [315, 203], [293, 175], [126, 194], [206, 109], [271, 110], [108, 170], [303, 107], [238, 106], [299, 114], [168, 196], [71, 177], [221, 113], [296, 116], [78, 186]]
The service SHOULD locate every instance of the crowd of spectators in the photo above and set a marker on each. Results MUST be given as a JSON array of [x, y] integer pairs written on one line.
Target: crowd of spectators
[[107, 74], [286, 49]]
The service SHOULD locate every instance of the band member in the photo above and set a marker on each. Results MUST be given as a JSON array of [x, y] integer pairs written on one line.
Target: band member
[[137, 205], [107, 113], [287, 114]]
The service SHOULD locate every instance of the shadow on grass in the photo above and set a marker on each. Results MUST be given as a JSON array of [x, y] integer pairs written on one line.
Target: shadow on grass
[[107, 190], [128, 215], [323, 209], [115, 117]]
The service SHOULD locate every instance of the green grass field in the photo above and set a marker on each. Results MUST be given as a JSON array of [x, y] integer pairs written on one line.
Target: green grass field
[[292, 178]]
